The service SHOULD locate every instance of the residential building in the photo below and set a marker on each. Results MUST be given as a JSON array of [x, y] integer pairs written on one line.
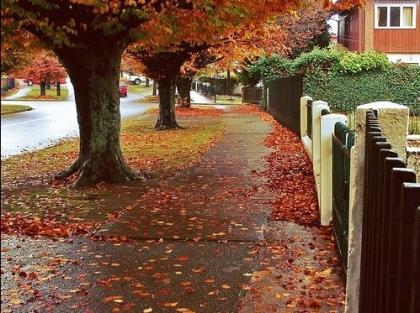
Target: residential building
[[392, 27]]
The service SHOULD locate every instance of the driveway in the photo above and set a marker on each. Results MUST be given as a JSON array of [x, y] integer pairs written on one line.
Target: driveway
[[199, 98], [49, 122]]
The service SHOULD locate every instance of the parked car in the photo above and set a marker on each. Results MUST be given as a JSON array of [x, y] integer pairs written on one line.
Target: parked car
[[32, 81], [123, 91], [135, 79]]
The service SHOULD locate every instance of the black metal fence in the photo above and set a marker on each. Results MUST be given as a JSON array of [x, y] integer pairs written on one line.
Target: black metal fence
[[251, 95], [309, 118], [390, 259], [284, 101], [343, 141]]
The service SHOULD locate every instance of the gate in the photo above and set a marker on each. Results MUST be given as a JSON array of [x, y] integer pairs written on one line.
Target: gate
[[343, 140], [284, 101], [251, 95]]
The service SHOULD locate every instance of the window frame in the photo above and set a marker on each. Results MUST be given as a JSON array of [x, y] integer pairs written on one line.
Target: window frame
[[388, 15]]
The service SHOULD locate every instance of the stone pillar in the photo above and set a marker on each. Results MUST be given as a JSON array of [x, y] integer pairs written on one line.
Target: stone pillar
[[317, 107], [393, 120], [307, 142], [327, 130]]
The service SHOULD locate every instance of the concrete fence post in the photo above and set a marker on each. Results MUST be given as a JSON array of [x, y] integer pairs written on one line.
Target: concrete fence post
[[326, 167], [393, 119], [317, 107]]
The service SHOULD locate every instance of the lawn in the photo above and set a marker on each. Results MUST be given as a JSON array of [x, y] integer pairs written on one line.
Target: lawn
[[139, 88], [34, 191], [224, 99], [51, 94], [14, 108]]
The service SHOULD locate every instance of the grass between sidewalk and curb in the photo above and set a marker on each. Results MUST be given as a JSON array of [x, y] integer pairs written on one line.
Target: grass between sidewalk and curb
[[33, 192], [139, 88], [224, 99], [51, 94], [14, 108]]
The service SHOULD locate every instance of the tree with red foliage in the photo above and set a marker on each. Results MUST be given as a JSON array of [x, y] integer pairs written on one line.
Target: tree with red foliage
[[45, 68]]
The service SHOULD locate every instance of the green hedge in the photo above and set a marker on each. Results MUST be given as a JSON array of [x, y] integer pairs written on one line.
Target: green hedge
[[345, 79], [343, 92]]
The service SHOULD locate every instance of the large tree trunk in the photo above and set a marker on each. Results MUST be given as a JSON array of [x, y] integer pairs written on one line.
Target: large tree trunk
[[183, 83], [154, 88], [166, 118], [95, 77], [58, 88], [42, 88]]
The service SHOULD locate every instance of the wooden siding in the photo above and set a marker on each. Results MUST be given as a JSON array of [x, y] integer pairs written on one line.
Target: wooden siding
[[399, 40], [352, 31]]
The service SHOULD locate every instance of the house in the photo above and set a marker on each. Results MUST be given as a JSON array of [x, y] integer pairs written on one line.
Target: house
[[392, 27]]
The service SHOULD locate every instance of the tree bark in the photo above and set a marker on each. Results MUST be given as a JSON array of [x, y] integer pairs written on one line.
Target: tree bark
[[58, 88], [228, 83], [147, 82], [183, 83], [154, 88], [166, 118], [95, 77], [42, 88]]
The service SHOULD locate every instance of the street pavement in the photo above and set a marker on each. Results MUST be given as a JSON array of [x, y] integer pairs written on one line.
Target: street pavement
[[50, 122]]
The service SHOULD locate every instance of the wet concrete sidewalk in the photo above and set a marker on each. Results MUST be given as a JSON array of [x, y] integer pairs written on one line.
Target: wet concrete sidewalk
[[199, 241]]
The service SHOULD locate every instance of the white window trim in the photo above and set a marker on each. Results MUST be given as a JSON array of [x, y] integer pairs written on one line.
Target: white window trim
[[401, 5]]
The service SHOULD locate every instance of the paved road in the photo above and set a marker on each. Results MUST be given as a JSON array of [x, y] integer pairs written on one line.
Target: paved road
[[49, 122]]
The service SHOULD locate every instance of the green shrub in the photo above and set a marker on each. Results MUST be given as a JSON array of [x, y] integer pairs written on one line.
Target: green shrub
[[325, 59], [346, 79], [343, 92], [351, 62]]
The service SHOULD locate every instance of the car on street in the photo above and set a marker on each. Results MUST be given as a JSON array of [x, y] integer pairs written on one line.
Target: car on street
[[123, 90]]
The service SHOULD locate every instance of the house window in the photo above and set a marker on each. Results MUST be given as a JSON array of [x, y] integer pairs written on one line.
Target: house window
[[395, 15]]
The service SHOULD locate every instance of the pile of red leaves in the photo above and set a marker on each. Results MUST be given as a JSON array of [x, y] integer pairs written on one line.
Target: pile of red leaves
[[289, 173], [246, 109], [36, 226]]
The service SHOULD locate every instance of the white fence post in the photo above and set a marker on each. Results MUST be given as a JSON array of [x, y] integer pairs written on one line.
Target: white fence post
[[326, 170], [393, 119], [317, 107]]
